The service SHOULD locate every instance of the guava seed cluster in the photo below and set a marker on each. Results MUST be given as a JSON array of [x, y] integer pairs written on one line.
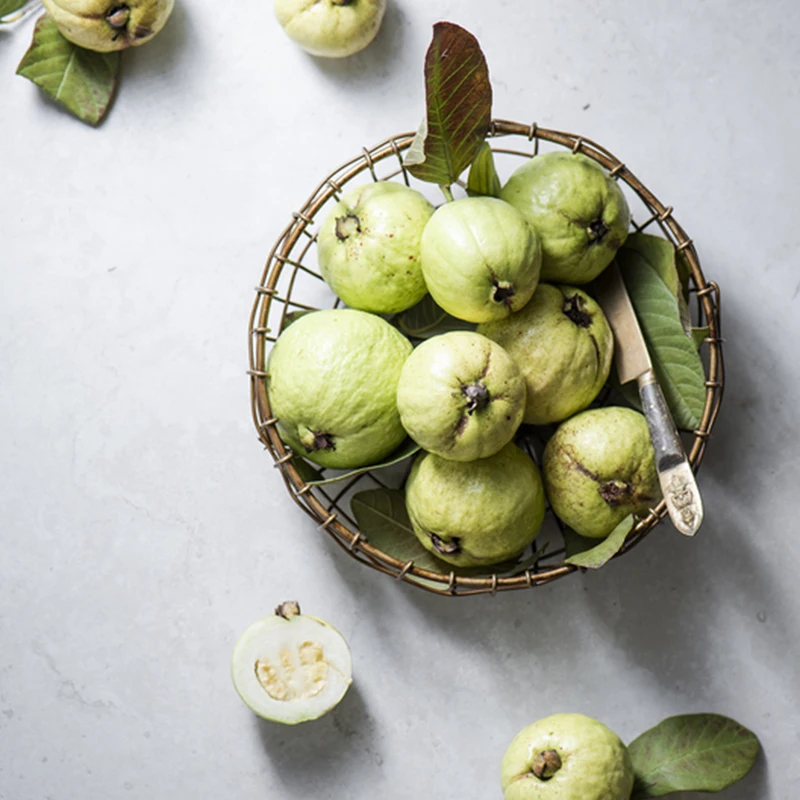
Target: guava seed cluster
[[347, 387]]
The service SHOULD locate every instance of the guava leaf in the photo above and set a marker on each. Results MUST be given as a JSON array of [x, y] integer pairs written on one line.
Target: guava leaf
[[427, 319], [293, 316], [81, 80], [691, 753], [660, 254], [675, 359], [308, 472], [483, 179], [9, 7], [406, 450], [586, 553], [458, 113]]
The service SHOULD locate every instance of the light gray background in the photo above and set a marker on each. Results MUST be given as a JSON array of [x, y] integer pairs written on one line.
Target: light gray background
[[143, 527]]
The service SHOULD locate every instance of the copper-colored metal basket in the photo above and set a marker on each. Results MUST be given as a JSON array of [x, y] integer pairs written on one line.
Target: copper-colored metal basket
[[287, 285]]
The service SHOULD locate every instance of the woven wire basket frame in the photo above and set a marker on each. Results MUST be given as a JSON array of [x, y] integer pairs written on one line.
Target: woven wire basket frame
[[325, 504]]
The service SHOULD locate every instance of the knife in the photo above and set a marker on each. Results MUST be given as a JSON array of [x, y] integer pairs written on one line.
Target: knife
[[675, 474]]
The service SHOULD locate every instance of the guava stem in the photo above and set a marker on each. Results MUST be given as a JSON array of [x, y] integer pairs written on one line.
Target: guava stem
[[288, 609], [118, 17], [450, 548], [597, 230], [477, 397], [546, 764], [447, 192], [574, 309]]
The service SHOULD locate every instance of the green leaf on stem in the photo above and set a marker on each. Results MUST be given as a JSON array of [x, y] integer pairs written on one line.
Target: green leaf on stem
[[691, 753], [675, 359], [483, 179], [9, 7], [427, 319], [458, 111], [587, 553], [81, 80]]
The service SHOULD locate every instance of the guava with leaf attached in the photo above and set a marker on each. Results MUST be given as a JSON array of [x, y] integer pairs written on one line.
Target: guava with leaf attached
[[563, 344], [566, 757], [291, 667], [579, 212], [369, 247], [480, 258], [460, 396], [332, 384], [475, 513], [599, 467], [106, 25], [331, 28]]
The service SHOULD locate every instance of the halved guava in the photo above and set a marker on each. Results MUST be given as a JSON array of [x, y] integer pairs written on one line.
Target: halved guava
[[291, 667]]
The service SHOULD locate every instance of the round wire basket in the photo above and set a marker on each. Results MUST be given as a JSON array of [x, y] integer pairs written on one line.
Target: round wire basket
[[292, 284]]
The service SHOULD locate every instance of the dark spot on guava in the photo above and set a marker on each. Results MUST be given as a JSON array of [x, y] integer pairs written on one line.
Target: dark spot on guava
[[615, 493], [142, 32], [451, 548], [346, 226], [477, 396], [575, 309], [503, 294], [597, 229], [322, 441]]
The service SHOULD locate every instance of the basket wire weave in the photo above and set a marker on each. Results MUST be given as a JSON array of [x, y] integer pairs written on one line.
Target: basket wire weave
[[285, 265]]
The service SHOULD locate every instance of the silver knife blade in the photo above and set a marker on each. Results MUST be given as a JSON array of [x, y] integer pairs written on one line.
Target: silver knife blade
[[675, 474]]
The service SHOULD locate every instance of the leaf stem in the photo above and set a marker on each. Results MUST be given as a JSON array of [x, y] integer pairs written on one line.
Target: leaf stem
[[447, 192]]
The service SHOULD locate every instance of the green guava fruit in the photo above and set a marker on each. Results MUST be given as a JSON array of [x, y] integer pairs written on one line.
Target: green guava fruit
[[566, 757], [480, 259], [460, 396], [332, 383], [579, 212], [291, 667], [106, 25], [475, 513], [368, 247], [599, 467], [563, 344], [331, 28]]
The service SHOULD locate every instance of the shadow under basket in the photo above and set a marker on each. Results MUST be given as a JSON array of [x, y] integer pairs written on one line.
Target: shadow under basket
[[291, 283]]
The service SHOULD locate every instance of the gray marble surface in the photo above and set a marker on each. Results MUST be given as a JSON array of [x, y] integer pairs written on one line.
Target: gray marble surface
[[143, 527]]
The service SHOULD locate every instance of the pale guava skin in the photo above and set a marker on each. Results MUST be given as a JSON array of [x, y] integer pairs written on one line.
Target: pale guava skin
[[480, 259], [461, 396], [595, 764], [332, 384], [599, 467], [579, 212], [369, 247], [564, 346], [475, 513], [108, 25], [331, 28]]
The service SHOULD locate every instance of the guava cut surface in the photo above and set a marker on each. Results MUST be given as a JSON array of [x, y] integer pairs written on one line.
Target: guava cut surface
[[598, 468], [566, 757], [474, 513], [291, 667], [480, 258], [461, 396], [331, 28], [578, 211], [332, 384], [563, 345], [106, 25], [369, 247]]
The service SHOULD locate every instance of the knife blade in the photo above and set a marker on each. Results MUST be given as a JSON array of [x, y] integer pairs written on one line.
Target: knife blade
[[675, 474]]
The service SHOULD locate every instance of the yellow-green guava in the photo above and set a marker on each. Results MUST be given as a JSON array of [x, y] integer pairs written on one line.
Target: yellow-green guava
[[332, 383], [460, 396], [566, 757], [474, 513], [480, 259], [369, 247], [106, 25], [579, 212], [563, 344], [599, 467], [331, 28]]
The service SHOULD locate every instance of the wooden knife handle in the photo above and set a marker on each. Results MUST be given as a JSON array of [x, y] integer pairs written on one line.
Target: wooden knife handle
[[674, 470]]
